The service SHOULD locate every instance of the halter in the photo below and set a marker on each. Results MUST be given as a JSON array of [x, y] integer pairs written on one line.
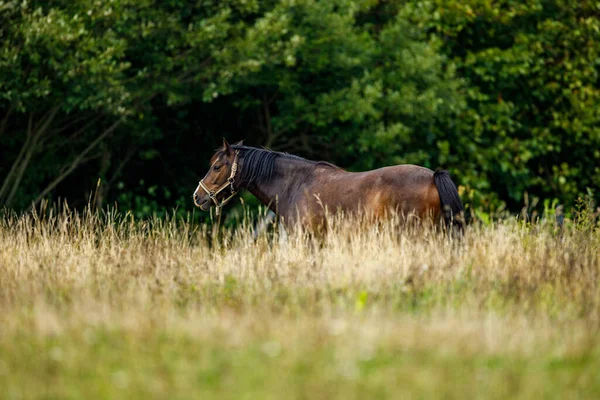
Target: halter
[[230, 181]]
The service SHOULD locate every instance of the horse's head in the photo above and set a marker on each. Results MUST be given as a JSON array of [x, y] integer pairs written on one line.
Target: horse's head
[[217, 186]]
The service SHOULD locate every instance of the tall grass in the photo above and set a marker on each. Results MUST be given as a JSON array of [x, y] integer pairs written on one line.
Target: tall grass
[[101, 305]]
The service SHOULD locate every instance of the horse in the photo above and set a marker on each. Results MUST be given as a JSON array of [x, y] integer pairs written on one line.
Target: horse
[[300, 191]]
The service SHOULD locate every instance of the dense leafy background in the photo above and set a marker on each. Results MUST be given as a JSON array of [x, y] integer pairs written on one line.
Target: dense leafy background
[[124, 101]]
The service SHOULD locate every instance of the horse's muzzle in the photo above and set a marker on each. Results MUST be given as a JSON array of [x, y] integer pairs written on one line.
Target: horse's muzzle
[[204, 205]]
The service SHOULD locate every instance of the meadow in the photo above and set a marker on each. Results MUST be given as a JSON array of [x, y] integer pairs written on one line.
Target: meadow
[[99, 305]]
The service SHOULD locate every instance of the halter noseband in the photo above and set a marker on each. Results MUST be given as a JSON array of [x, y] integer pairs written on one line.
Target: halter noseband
[[213, 194]]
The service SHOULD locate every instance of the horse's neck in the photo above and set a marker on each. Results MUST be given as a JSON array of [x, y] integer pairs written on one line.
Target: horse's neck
[[289, 175]]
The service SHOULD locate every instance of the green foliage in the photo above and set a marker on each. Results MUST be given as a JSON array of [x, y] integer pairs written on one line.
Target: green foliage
[[504, 94], [533, 92], [346, 87], [62, 55], [78, 83]]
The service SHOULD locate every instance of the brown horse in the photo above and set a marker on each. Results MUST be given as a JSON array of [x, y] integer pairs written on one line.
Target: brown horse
[[299, 190]]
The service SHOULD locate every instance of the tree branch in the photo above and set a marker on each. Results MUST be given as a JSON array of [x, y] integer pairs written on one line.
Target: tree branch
[[76, 161], [74, 135], [271, 137], [46, 119], [5, 119], [17, 161], [35, 136], [122, 164], [64, 125], [189, 76]]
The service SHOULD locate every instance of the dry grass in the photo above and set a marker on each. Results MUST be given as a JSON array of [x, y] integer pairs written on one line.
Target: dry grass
[[102, 306]]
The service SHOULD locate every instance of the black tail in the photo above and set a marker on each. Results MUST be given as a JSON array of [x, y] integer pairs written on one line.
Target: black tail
[[450, 201]]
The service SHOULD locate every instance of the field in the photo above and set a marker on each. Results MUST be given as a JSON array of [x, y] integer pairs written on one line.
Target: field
[[101, 306]]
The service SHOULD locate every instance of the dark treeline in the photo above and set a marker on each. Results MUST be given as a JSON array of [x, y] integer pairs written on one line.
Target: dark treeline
[[123, 102]]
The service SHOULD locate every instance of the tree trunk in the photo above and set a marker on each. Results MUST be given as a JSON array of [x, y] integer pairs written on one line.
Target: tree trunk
[[33, 137], [5, 120], [76, 161], [15, 165]]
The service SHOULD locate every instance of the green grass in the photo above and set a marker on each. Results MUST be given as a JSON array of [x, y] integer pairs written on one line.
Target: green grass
[[102, 307], [264, 356]]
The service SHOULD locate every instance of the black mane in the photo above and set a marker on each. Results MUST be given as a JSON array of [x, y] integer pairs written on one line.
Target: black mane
[[259, 164]]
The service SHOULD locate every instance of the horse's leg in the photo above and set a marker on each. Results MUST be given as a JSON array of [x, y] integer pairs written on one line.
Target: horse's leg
[[283, 235], [263, 223]]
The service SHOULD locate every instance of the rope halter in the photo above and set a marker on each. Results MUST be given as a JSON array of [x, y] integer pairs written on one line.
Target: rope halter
[[229, 183]]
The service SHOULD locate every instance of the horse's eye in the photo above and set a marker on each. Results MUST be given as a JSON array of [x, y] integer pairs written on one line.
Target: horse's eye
[[217, 167]]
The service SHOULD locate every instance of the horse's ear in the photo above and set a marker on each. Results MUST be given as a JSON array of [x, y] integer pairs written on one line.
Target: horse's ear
[[227, 147], [240, 143]]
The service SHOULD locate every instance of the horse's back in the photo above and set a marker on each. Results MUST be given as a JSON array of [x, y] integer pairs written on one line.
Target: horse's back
[[406, 189]]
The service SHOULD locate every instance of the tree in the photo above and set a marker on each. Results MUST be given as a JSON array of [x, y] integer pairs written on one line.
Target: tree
[[340, 84], [533, 74], [139, 93], [75, 76]]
